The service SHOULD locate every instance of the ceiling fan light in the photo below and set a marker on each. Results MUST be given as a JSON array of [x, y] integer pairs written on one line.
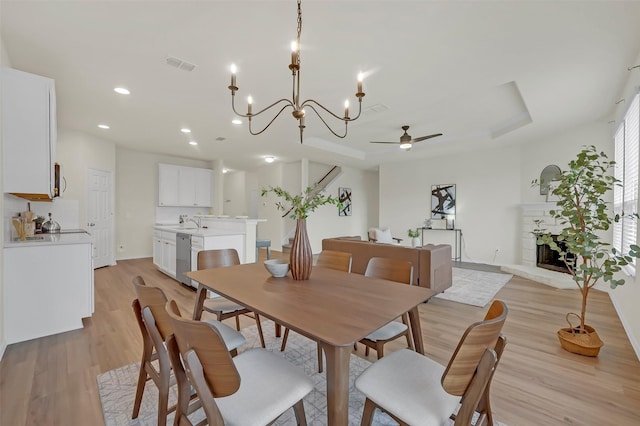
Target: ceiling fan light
[[405, 145]]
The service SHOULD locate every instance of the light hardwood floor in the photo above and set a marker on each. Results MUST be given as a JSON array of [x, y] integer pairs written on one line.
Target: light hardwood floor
[[52, 380]]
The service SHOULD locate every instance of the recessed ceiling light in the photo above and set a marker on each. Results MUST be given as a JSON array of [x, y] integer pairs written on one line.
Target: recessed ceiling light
[[121, 90], [103, 126], [269, 159], [194, 143], [185, 130], [225, 170], [236, 121]]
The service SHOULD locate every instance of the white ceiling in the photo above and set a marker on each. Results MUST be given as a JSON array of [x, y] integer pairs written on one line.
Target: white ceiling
[[483, 73]]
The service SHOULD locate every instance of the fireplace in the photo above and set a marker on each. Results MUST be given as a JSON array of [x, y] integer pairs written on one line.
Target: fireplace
[[550, 259]]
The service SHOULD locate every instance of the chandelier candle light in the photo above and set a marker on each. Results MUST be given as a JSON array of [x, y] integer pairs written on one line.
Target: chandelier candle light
[[298, 108]]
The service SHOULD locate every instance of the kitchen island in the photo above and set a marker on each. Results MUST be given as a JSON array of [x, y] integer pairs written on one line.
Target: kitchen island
[[48, 285]]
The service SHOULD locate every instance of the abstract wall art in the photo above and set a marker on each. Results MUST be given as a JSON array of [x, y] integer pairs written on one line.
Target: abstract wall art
[[344, 195]]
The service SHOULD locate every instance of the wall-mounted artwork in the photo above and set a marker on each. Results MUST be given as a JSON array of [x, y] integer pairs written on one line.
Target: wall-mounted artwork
[[344, 195], [443, 202]]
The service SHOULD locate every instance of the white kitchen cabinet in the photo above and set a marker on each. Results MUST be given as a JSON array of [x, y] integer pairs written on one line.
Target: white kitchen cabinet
[[211, 242], [184, 186], [29, 133], [168, 189], [164, 251], [48, 289]]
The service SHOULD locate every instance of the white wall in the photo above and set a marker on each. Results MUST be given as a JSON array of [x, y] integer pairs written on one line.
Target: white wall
[[324, 222], [487, 199], [5, 62], [77, 152], [137, 199], [627, 297]]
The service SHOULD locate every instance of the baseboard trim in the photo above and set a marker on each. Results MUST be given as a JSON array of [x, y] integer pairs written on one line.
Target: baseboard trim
[[3, 346], [625, 324]]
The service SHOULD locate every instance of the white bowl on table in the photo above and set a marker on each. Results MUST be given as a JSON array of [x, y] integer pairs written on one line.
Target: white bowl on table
[[277, 267]]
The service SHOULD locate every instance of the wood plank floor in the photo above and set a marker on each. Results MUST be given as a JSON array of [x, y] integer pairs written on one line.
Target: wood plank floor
[[52, 380]]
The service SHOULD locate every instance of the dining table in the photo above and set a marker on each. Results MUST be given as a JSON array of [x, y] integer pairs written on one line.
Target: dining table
[[334, 308]]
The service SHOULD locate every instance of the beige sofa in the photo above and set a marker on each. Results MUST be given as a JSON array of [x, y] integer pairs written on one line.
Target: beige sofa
[[431, 263]]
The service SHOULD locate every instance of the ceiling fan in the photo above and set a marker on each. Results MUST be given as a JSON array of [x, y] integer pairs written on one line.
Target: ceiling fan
[[406, 142]]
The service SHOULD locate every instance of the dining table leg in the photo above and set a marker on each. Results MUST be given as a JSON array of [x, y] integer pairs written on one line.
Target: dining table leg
[[416, 330], [201, 295], [337, 384]]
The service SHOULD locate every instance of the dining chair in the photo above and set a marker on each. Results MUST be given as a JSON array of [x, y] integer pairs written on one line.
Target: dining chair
[[221, 307], [400, 271], [338, 260], [254, 388], [414, 389], [155, 327]]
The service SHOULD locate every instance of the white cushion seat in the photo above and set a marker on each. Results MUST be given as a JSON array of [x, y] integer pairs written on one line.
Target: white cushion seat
[[232, 339], [407, 384], [223, 305], [387, 331], [269, 386]]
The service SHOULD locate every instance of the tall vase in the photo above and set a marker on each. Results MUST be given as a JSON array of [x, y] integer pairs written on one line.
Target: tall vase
[[301, 258]]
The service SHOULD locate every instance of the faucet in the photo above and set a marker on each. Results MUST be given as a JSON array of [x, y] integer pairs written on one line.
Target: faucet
[[197, 221]]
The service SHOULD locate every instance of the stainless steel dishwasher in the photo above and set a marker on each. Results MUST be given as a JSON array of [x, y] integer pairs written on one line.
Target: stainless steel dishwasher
[[183, 257]]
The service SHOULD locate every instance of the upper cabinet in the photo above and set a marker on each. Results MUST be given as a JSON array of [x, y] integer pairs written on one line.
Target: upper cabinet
[[184, 186], [29, 133]]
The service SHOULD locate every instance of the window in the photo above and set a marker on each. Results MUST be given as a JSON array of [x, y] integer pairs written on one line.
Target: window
[[625, 197]]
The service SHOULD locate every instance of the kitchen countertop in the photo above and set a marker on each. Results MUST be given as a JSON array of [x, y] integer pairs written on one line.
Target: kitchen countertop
[[191, 229], [51, 239]]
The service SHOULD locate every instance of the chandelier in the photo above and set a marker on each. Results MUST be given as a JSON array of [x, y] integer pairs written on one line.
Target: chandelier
[[297, 106]]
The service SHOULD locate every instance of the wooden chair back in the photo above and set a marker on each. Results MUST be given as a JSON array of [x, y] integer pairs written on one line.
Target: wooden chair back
[[155, 300], [209, 259], [338, 260], [200, 338], [478, 337], [390, 269]]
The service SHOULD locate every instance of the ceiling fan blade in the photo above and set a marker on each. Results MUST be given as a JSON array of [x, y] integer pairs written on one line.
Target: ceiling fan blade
[[384, 142], [426, 137]]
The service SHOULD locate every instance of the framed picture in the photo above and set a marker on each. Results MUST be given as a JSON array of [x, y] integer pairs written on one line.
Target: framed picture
[[344, 195], [443, 203]]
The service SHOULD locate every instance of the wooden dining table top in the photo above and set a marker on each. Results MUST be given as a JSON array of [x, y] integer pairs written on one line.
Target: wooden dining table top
[[333, 307]]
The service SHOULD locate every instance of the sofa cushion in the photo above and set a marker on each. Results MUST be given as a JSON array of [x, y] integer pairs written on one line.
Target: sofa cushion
[[383, 236]]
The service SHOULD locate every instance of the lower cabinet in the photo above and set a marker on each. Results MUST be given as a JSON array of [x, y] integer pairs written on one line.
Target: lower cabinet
[[48, 289], [164, 252]]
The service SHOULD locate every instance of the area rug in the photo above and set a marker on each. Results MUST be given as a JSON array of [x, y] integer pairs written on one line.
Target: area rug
[[476, 288], [117, 387]]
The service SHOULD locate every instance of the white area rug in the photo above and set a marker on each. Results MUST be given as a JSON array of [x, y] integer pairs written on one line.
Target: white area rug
[[117, 387], [475, 288]]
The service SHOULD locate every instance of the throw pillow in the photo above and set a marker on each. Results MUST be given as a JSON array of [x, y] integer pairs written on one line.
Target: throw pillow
[[384, 236]]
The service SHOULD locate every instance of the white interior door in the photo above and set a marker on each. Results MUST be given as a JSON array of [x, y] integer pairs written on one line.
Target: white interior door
[[100, 216]]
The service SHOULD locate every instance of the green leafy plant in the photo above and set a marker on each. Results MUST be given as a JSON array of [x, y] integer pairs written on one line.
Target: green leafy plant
[[299, 206], [584, 214], [413, 233]]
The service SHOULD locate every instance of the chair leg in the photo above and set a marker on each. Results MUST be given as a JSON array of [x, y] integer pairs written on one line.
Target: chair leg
[[142, 380], [355, 346], [379, 349], [366, 350], [259, 326], [301, 418], [238, 322], [285, 336], [320, 363], [163, 400], [405, 321], [367, 413]]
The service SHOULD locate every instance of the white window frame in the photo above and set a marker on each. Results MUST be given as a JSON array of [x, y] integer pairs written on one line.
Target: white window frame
[[625, 195]]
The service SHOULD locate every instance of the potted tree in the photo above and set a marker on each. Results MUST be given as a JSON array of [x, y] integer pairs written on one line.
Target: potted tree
[[298, 207], [584, 214]]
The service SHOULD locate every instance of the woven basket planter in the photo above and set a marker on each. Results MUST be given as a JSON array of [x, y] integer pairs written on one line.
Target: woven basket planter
[[577, 341]]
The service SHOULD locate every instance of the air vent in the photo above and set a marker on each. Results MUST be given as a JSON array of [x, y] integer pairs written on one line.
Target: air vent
[[180, 64], [377, 108], [220, 139]]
